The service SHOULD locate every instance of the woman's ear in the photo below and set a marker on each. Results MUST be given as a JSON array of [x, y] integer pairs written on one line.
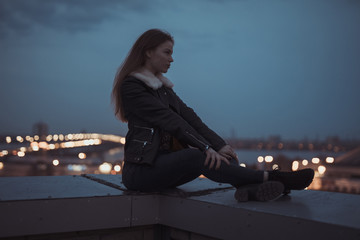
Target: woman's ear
[[148, 53]]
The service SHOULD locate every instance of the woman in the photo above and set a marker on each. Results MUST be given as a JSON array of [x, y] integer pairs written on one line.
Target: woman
[[162, 127]]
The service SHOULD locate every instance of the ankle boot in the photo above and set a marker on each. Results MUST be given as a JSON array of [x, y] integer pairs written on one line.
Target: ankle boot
[[297, 180], [266, 191]]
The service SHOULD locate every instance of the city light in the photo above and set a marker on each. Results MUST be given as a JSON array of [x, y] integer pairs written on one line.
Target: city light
[[321, 170], [269, 159], [315, 160], [48, 138], [305, 162], [69, 137], [19, 139], [56, 141], [80, 143], [61, 137], [82, 155], [111, 138], [71, 140], [21, 154], [55, 137], [77, 155], [117, 168], [68, 145], [43, 145], [295, 165], [105, 168], [330, 160], [76, 167], [34, 146]]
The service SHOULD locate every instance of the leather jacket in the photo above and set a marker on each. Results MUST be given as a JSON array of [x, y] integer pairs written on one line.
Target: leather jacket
[[150, 111]]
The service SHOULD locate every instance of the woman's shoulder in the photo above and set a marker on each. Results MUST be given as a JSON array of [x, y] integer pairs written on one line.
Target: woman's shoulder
[[133, 84], [132, 80]]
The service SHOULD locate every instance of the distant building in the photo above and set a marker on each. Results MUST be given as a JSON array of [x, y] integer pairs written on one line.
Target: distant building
[[41, 129], [274, 139]]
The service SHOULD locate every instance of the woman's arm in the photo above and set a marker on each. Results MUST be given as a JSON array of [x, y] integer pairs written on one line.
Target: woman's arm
[[138, 101], [194, 120], [216, 141]]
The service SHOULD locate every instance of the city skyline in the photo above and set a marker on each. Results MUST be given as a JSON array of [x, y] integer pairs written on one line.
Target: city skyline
[[252, 69], [42, 129]]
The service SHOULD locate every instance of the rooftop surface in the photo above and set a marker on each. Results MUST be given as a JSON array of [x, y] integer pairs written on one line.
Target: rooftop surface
[[39, 206]]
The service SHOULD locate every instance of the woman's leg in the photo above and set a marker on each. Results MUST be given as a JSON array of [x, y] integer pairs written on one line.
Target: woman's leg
[[176, 168], [233, 174], [169, 170]]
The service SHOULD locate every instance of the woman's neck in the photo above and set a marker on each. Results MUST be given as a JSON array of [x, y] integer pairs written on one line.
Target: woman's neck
[[150, 79], [148, 68]]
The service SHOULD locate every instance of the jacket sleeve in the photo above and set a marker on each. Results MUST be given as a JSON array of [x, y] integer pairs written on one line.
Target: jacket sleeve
[[139, 101], [194, 120]]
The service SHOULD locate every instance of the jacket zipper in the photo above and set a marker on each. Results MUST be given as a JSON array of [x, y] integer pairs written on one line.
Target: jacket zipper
[[144, 142], [151, 129], [206, 146]]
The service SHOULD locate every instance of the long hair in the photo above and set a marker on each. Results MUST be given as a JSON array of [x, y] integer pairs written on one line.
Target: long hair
[[135, 59]]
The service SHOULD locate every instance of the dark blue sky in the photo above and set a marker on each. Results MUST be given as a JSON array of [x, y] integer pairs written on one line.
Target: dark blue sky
[[255, 68]]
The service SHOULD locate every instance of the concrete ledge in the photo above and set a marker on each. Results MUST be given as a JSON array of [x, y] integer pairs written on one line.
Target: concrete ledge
[[40, 207]]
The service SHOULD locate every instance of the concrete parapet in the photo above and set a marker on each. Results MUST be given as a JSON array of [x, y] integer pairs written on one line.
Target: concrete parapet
[[100, 207]]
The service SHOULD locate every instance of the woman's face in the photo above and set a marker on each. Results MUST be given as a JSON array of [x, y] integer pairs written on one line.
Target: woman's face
[[159, 59]]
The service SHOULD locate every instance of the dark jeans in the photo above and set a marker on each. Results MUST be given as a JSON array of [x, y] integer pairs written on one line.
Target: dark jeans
[[176, 168]]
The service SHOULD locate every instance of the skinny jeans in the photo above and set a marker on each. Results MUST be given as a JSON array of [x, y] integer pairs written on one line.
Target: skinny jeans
[[172, 169]]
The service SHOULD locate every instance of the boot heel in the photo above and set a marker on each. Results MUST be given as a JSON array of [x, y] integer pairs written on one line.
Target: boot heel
[[262, 192], [241, 194], [268, 191]]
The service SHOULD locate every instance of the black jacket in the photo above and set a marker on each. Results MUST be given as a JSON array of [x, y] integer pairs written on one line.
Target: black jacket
[[149, 111]]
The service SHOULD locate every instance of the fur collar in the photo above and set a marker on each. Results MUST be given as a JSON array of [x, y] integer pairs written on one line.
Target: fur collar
[[151, 80]]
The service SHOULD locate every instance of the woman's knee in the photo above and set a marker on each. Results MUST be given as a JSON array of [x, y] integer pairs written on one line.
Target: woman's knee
[[193, 157], [234, 162], [196, 154]]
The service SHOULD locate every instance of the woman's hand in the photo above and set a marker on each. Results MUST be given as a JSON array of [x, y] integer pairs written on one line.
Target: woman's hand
[[228, 152], [214, 158]]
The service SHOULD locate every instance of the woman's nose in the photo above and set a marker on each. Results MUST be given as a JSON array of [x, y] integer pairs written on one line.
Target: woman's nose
[[171, 59]]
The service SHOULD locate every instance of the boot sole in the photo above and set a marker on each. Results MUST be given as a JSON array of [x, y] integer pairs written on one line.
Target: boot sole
[[263, 192]]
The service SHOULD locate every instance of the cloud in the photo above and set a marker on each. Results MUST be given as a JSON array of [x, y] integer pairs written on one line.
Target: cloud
[[21, 16]]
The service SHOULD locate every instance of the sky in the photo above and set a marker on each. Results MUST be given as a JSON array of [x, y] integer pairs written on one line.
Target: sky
[[249, 68]]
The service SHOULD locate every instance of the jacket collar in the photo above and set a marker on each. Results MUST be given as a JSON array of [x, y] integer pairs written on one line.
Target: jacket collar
[[151, 80]]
